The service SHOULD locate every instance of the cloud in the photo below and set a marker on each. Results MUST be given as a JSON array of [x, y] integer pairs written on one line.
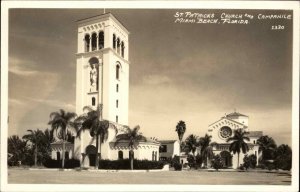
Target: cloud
[[21, 67], [156, 79], [54, 103]]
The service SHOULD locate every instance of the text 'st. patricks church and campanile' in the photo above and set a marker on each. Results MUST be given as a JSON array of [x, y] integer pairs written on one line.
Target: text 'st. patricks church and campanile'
[[102, 75]]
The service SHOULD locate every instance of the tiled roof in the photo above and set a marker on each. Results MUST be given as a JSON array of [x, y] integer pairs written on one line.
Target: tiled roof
[[144, 139], [235, 114], [167, 141], [255, 134]]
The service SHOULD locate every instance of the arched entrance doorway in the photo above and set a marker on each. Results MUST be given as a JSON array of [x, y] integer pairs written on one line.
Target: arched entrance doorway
[[91, 151], [227, 158]]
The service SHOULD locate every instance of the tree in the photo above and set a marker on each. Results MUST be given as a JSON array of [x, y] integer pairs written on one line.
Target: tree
[[36, 138], [60, 122], [267, 146], [238, 143], [98, 127], [180, 129], [191, 143], [217, 162], [206, 149], [249, 161], [283, 157], [132, 136], [18, 151]]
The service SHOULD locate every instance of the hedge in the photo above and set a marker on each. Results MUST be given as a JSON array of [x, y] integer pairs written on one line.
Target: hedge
[[69, 164], [125, 164]]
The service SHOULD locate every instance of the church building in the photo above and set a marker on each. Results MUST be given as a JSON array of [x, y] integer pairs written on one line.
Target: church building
[[224, 128], [102, 77]]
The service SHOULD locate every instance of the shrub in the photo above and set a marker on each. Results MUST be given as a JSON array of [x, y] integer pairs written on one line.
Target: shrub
[[261, 166], [72, 163], [52, 163], [177, 166], [125, 164], [249, 161], [191, 160], [198, 160], [69, 164], [217, 162], [284, 163]]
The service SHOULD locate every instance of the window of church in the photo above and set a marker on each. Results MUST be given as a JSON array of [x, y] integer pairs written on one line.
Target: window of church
[[117, 87], [120, 155], [93, 101], [118, 45], [117, 71], [117, 103], [101, 40], [117, 119], [87, 43], [114, 41], [122, 49], [94, 41], [67, 155], [58, 155]]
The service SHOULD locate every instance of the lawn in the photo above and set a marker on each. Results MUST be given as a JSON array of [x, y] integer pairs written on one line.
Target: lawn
[[25, 176]]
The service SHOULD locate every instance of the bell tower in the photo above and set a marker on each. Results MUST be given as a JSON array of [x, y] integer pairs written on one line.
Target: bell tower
[[102, 75]]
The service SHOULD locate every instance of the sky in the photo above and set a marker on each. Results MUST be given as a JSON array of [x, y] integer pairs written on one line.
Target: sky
[[178, 71]]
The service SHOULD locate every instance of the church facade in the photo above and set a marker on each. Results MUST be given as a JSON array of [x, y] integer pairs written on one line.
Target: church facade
[[224, 128]]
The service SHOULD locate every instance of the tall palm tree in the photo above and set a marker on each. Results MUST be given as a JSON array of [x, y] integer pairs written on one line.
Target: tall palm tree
[[206, 149], [132, 136], [267, 146], [36, 138], [180, 129], [97, 126], [238, 143], [191, 143], [60, 122]]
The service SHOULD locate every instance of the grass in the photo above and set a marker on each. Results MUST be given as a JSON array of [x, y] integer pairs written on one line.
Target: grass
[[25, 176]]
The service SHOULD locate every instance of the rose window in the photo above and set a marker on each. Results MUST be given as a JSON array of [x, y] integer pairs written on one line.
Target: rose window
[[225, 132]]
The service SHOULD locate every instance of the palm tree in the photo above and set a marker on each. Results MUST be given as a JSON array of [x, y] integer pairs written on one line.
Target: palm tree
[[17, 149], [36, 138], [206, 149], [180, 129], [267, 146], [60, 122], [191, 143], [238, 143], [132, 136], [98, 127]]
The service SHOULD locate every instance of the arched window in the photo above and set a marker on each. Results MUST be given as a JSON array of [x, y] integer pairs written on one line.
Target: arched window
[[67, 155], [87, 43], [122, 49], [58, 155], [120, 155], [117, 71], [117, 87], [101, 40], [117, 118], [93, 101], [117, 103], [94, 41], [114, 41], [118, 45], [152, 155]]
